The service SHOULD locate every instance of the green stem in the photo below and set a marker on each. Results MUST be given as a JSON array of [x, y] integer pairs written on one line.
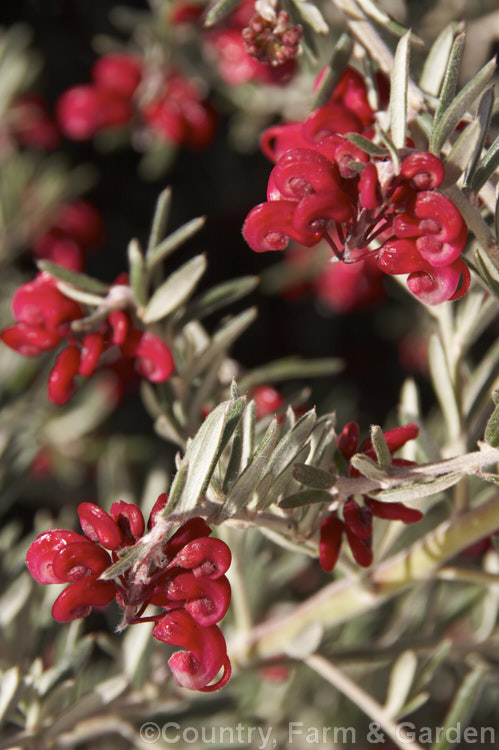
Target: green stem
[[363, 700]]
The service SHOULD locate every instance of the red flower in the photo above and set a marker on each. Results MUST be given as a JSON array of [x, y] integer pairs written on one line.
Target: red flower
[[323, 187], [187, 581], [356, 523]]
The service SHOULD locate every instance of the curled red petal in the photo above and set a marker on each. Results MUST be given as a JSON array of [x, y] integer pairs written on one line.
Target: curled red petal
[[346, 153], [192, 529], [435, 285], [205, 556], [40, 303], [92, 348], [98, 525], [330, 542], [210, 605], [129, 519], [301, 171], [358, 519], [465, 279], [438, 215], [426, 171], [269, 226], [404, 225], [313, 212], [61, 379], [29, 340], [79, 597], [153, 359], [400, 256], [41, 554], [120, 324], [276, 140], [361, 548], [330, 119], [393, 511], [80, 560], [156, 509], [369, 189], [348, 439], [205, 655], [351, 91], [439, 253]]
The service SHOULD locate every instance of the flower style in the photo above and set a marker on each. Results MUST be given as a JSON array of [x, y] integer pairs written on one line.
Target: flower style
[[125, 93], [43, 316], [187, 582], [323, 187], [357, 520]]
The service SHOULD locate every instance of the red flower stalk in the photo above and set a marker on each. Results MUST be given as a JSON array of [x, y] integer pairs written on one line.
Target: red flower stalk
[[323, 187], [357, 519], [187, 581]]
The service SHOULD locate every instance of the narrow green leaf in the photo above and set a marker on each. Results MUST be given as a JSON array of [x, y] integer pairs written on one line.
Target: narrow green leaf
[[127, 558], [390, 146], [311, 476], [175, 290], [484, 115], [487, 167], [223, 339], [79, 280], [277, 484], [436, 62], [378, 14], [158, 253], [312, 16], [242, 447], [419, 490], [480, 378], [289, 368], [10, 683], [292, 442], [218, 296], [443, 385], [488, 270], [166, 428], [462, 153], [380, 448], [472, 216], [492, 429], [461, 709], [398, 91], [496, 218], [244, 487], [365, 144], [204, 450], [137, 272], [400, 682], [86, 298], [305, 497], [160, 220], [368, 467], [334, 71], [459, 105], [178, 483], [220, 10], [449, 84]]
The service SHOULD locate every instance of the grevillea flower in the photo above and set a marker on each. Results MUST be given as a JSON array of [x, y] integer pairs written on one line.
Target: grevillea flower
[[357, 519], [175, 110], [43, 316], [324, 187], [188, 583]]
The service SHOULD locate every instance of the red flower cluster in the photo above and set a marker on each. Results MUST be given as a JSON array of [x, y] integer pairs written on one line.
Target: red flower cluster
[[30, 123], [172, 106], [272, 41], [44, 314], [189, 584], [76, 227], [357, 519], [325, 188]]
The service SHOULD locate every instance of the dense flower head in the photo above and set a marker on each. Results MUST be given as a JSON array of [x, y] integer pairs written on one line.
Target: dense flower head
[[43, 321], [355, 519], [324, 187], [188, 583], [173, 108], [272, 41]]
